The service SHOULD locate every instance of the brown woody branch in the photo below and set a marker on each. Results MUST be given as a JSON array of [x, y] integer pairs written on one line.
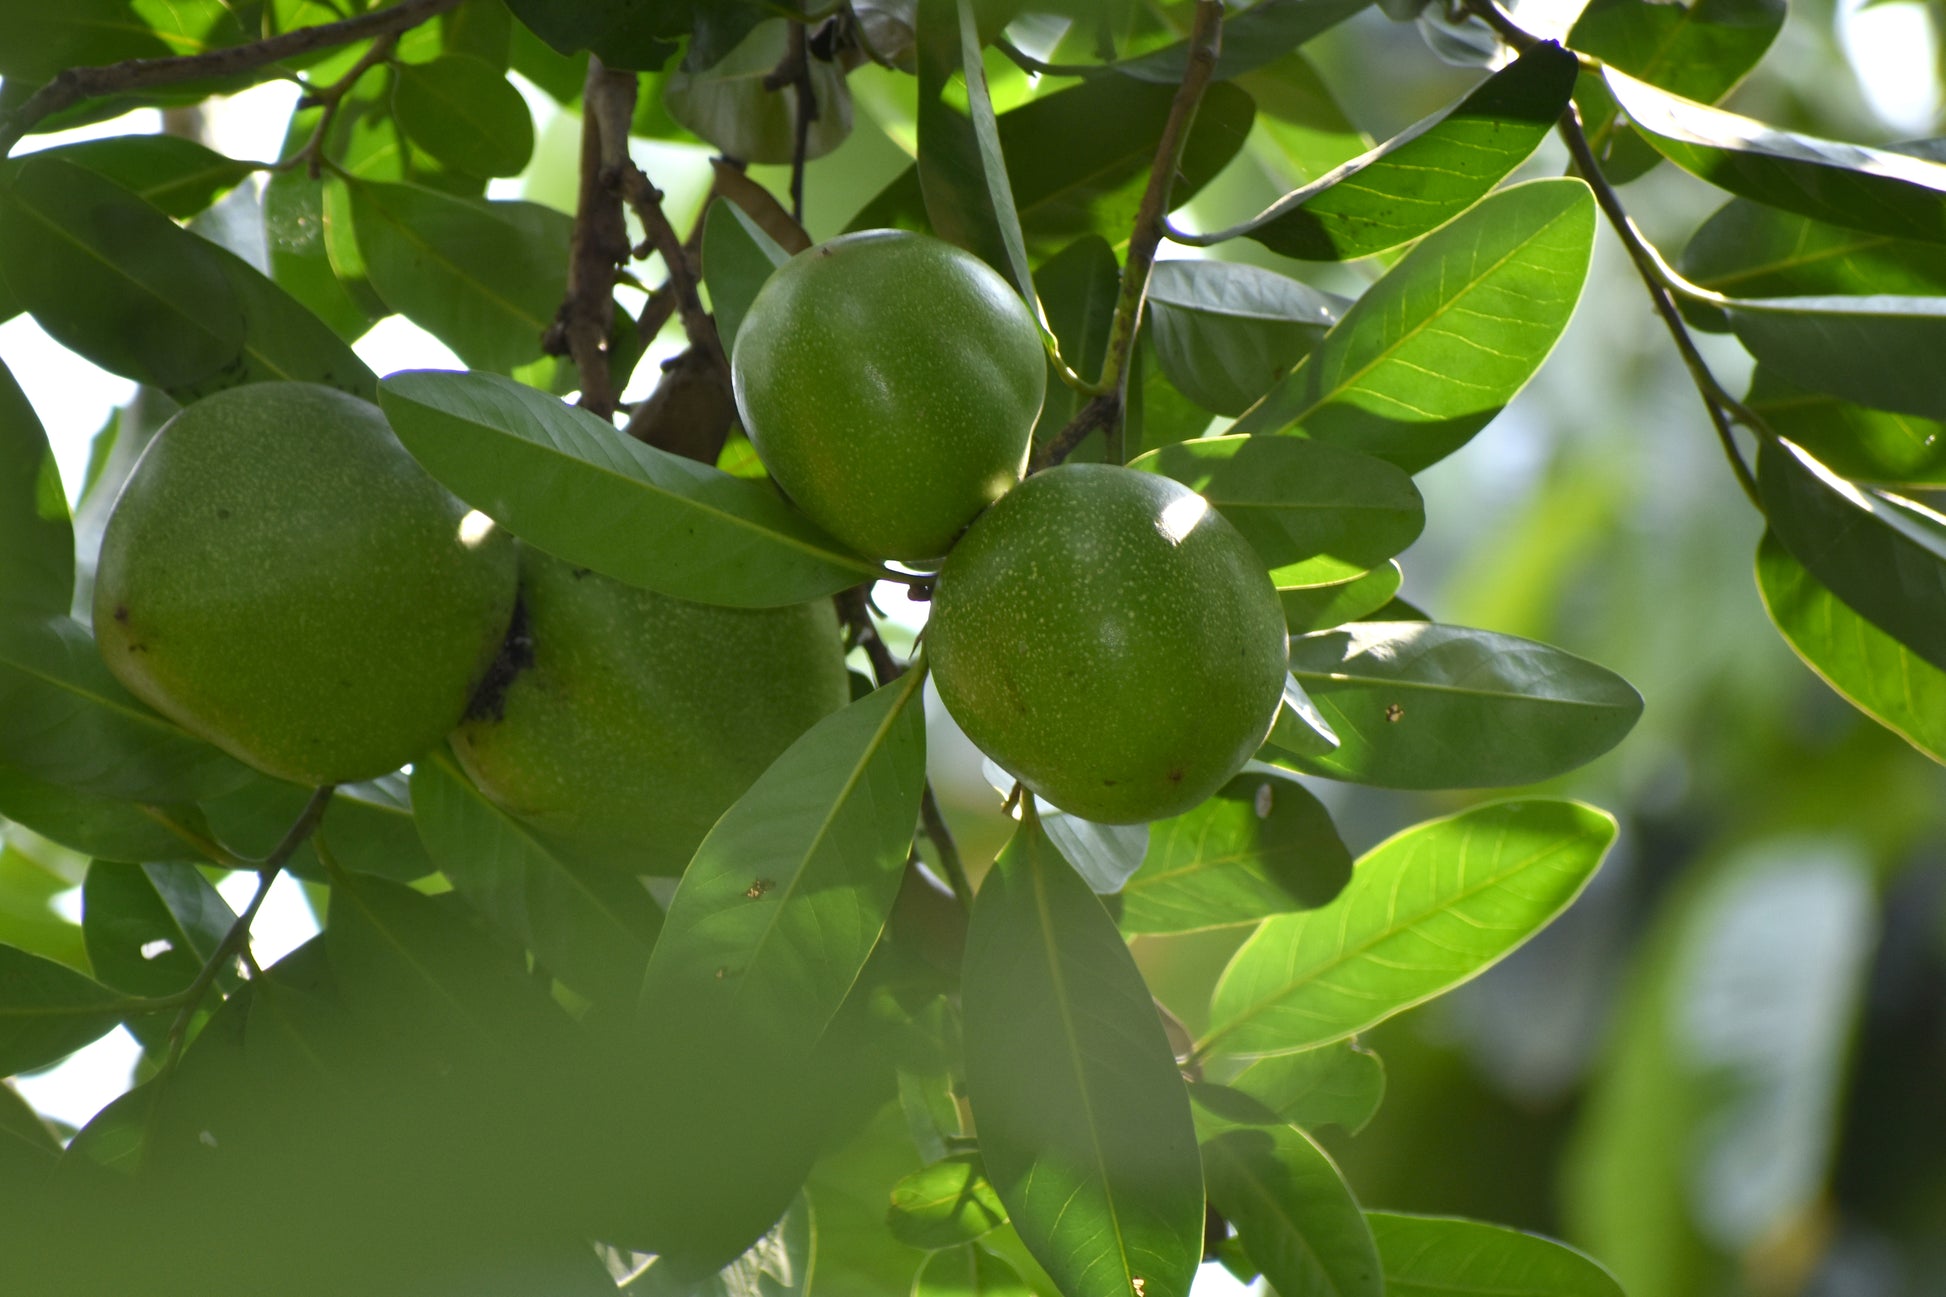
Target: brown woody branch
[[77, 85], [646, 201], [600, 244]]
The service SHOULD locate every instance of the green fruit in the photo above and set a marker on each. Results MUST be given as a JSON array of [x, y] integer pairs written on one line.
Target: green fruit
[[280, 577], [625, 722], [890, 384], [1111, 641]]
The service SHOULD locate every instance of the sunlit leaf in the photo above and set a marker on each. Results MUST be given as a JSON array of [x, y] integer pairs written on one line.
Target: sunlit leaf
[[1340, 1085], [1436, 1256], [1853, 441], [969, 1271], [944, 1205], [1747, 249], [1310, 608]]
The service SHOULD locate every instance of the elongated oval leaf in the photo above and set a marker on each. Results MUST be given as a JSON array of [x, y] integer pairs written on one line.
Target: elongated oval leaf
[[36, 537], [1883, 556], [1292, 1210], [102, 827], [1436, 1256], [1084, 1125], [764, 938], [465, 112], [589, 927], [178, 176], [1844, 184], [1868, 668], [569, 483], [69, 722], [1853, 441], [150, 928], [485, 278], [1872, 350], [1434, 349], [1314, 511], [367, 828], [1340, 1085], [1422, 705], [969, 1271], [1750, 250], [1425, 176], [1310, 608], [1426, 910], [47, 1011], [1224, 332], [945, 1204], [1262, 845], [737, 258]]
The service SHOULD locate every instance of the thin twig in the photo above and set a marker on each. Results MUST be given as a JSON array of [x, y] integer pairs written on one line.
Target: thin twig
[[760, 205], [1106, 411], [76, 85], [646, 200], [795, 71], [942, 842], [600, 242], [330, 99]]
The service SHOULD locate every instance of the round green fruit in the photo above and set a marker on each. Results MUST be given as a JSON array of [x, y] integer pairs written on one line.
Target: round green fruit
[[1111, 641], [281, 578], [625, 722], [890, 384]]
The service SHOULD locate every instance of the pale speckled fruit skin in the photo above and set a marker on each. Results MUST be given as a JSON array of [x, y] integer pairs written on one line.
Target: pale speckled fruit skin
[[281, 578], [640, 718], [890, 383], [1117, 673]]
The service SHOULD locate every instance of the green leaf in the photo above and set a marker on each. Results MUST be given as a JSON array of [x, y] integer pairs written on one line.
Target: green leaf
[[589, 927], [464, 112], [1427, 175], [1291, 1208], [1868, 668], [1084, 1124], [1299, 727], [1853, 441], [1882, 555], [1310, 608], [1426, 910], [1253, 37], [1422, 705], [962, 172], [28, 1148], [1435, 1256], [969, 1271], [1749, 250], [777, 1265], [1224, 332], [730, 106], [944, 1205], [295, 236], [92, 825], [70, 723], [1864, 349], [569, 483], [36, 538], [1844, 184], [1434, 349], [367, 828], [485, 278], [47, 1011], [178, 176], [37, 41], [151, 928], [737, 259], [766, 934], [1078, 287], [640, 38], [1313, 511], [1340, 1085], [1262, 845], [28, 918]]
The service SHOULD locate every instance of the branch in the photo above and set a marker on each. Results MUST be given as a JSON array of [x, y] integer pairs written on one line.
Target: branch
[[1106, 411], [646, 200], [600, 245], [794, 70], [78, 84], [759, 205]]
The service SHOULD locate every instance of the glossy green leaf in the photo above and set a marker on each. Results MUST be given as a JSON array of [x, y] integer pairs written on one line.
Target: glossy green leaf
[[962, 173], [1084, 1124], [1436, 1256], [1883, 556], [1310, 608], [590, 927], [1252, 37], [1262, 845], [1871, 350], [485, 278], [1844, 184], [1423, 705], [93, 825], [1292, 1210], [1853, 441], [1313, 511], [569, 483], [1299, 727], [465, 112], [178, 176], [1868, 668], [1339, 1085], [1224, 332], [969, 1271], [151, 928], [1105, 855], [1426, 910], [944, 1205], [36, 538], [1425, 176], [47, 1011], [729, 105], [765, 936], [1749, 250], [622, 36], [737, 258], [1434, 349], [69, 722]]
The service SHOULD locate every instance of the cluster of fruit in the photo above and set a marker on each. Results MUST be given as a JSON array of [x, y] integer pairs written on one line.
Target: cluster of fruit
[[281, 578]]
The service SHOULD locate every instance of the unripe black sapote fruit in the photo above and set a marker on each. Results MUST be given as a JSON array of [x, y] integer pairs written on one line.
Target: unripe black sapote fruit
[[1111, 641], [890, 382], [281, 578]]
